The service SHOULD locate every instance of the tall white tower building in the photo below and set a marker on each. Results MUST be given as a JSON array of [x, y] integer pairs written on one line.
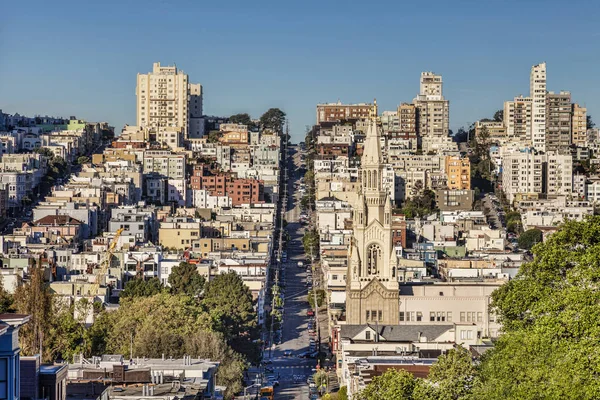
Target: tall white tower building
[[433, 112], [166, 101], [537, 88]]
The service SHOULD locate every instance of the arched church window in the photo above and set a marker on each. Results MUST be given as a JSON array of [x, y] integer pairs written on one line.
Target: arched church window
[[373, 259], [393, 272]]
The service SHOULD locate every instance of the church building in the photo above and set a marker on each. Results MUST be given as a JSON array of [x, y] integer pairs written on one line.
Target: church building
[[373, 289]]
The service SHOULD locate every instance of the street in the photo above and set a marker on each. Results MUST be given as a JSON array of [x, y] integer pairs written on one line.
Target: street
[[293, 371]]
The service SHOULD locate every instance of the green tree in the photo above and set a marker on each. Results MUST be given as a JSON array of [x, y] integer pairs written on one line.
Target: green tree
[[273, 119], [34, 299], [342, 394], [185, 279], [83, 160], [310, 242], [499, 116], [230, 302], [550, 314], [320, 298], [214, 136], [142, 288], [529, 238], [453, 375], [589, 122], [6, 299], [393, 384], [243, 119]]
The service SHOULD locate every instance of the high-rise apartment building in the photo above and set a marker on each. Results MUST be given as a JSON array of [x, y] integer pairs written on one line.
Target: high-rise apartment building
[[433, 112], [537, 92], [518, 119], [527, 173], [522, 173], [558, 121], [167, 101], [578, 125], [458, 172], [333, 112]]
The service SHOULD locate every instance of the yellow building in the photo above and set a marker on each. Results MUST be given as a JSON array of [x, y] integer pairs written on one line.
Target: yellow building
[[458, 171], [179, 235]]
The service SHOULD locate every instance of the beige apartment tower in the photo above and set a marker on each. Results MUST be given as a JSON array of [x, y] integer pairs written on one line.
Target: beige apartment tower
[[579, 125], [433, 112], [373, 289], [537, 89], [167, 101]]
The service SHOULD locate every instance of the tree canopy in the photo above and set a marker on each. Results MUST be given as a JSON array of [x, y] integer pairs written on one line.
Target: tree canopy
[[530, 238], [273, 119], [231, 307], [243, 118], [185, 279], [550, 315], [142, 288]]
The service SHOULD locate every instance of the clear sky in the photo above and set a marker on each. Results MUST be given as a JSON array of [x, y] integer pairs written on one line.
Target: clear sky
[[81, 57]]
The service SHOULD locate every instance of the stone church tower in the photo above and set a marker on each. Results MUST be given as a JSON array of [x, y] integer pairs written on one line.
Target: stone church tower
[[373, 290]]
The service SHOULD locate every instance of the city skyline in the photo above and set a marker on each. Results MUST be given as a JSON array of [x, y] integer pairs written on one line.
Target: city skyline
[[273, 59]]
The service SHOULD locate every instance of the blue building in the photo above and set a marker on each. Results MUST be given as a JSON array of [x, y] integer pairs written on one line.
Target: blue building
[[10, 379]]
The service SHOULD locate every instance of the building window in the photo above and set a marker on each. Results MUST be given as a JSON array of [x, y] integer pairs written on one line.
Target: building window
[[462, 316], [401, 318], [368, 335], [368, 315], [419, 316], [479, 317], [432, 316], [449, 316], [380, 315]]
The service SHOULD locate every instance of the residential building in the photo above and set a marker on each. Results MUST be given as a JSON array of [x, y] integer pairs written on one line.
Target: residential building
[[579, 125], [433, 112], [537, 92], [558, 121], [10, 353], [495, 129], [522, 173], [333, 112], [518, 119], [458, 171], [166, 100]]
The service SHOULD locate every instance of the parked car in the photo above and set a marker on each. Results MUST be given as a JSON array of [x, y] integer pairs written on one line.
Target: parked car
[[310, 313], [287, 353]]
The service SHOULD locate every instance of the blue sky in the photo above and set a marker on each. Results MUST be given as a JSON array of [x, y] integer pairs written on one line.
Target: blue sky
[[81, 57]]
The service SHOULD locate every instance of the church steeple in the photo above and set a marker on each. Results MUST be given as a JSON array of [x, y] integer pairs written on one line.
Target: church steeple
[[372, 258]]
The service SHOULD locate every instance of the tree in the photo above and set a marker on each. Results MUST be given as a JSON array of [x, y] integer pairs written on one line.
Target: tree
[[6, 299], [243, 119], [231, 306], [320, 298], [34, 299], [273, 119], [213, 136], [453, 375], [529, 238], [499, 116], [142, 288], [83, 160], [185, 279], [589, 122], [393, 384], [169, 324], [342, 394], [461, 135], [550, 314]]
